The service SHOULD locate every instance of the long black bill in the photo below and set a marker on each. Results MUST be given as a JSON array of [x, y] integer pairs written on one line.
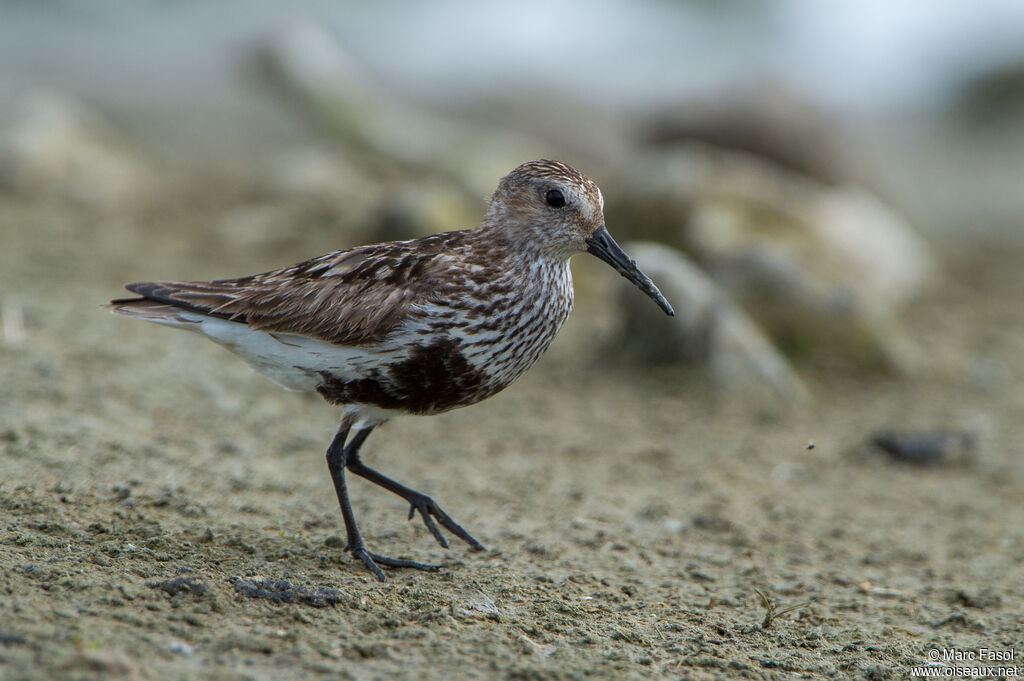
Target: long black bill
[[603, 246]]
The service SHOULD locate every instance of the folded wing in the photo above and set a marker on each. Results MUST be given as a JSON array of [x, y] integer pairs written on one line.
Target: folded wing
[[351, 297]]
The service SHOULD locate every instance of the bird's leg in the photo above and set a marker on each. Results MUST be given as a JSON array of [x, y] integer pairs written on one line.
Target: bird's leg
[[337, 455], [418, 501]]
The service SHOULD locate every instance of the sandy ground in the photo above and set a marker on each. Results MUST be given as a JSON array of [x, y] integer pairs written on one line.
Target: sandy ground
[[149, 481]]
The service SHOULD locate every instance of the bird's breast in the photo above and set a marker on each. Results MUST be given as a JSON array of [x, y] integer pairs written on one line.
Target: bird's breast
[[525, 316], [457, 350]]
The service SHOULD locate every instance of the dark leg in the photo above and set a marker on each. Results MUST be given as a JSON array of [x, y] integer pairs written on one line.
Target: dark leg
[[337, 456], [418, 501]]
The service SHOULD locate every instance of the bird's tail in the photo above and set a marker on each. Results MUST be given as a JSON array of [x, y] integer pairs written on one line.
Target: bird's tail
[[153, 311]]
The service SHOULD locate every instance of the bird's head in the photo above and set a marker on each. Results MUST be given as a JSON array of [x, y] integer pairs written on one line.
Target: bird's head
[[553, 208]]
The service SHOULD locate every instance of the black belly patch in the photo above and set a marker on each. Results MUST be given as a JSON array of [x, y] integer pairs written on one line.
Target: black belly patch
[[434, 378]]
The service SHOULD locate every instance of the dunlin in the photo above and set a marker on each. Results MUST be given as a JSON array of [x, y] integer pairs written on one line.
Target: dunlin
[[409, 327]]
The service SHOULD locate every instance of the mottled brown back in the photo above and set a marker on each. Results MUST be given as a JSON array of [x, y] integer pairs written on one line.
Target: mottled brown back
[[352, 297]]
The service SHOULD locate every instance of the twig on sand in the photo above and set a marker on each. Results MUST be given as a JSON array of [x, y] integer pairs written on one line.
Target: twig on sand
[[771, 610]]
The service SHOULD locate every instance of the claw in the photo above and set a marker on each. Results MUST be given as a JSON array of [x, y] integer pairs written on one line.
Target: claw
[[399, 563], [364, 555], [429, 522], [429, 510], [370, 560]]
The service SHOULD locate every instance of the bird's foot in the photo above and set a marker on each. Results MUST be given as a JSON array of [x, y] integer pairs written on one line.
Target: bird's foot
[[371, 560], [428, 510]]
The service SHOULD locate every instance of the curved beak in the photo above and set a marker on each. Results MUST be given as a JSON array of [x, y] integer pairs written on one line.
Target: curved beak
[[604, 247]]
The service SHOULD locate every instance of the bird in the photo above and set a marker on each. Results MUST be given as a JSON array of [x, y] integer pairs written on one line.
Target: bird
[[408, 327]]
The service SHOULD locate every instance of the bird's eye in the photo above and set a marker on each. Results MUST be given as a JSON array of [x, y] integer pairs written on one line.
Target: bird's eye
[[555, 198]]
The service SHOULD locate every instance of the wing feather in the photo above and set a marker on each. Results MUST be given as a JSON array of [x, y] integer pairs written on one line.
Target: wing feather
[[351, 297]]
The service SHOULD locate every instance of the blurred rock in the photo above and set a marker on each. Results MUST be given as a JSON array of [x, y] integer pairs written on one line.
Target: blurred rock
[[940, 447], [836, 247], [58, 145], [320, 177], [382, 131], [420, 208], [817, 265], [992, 97], [708, 329], [12, 322], [258, 225], [768, 122]]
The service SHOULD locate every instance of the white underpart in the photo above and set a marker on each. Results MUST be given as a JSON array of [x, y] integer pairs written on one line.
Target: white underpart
[[293, 362]]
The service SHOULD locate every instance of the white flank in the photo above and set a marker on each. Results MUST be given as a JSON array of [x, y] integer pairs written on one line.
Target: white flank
[[293, 362]]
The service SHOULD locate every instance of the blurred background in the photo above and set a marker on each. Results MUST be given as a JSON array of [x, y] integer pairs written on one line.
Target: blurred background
[[829, 155], [923, 100]]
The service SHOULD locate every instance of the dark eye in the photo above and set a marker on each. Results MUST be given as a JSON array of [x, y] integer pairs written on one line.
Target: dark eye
[[555, 198]]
